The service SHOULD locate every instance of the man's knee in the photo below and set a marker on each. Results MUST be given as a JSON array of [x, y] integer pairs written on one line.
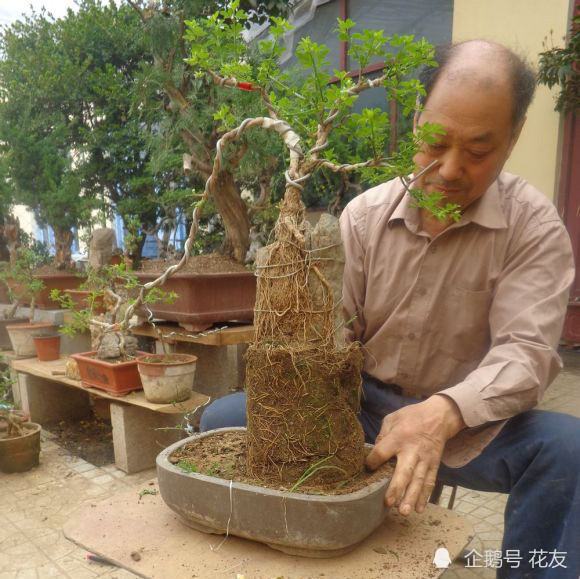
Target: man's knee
[[227, 411], [558, 436]]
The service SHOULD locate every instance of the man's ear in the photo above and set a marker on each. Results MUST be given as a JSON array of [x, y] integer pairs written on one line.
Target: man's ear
[[516, 134]]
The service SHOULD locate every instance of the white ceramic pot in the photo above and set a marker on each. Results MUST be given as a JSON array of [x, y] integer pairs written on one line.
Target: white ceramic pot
[[168, 378], [21, 337]]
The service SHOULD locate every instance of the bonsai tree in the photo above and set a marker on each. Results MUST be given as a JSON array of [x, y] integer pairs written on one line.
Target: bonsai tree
[[303, 383], [11, 420], [195, 113], [21, 282], [109, 291]]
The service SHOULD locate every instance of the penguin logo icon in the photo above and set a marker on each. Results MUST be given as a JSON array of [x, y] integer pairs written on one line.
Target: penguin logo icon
[[441, 559]]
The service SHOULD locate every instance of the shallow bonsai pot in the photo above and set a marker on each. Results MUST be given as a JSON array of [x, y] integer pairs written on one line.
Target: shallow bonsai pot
[[204, 299], [167, 380], [299, 524], [21, 453], [47, 347], [5, 343], [117, 379], [21, 337]]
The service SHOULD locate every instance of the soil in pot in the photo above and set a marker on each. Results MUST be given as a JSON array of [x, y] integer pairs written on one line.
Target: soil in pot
[[208, 263], [21, 337], [167, 378], [223, 455], [20, 453], [47, 347]]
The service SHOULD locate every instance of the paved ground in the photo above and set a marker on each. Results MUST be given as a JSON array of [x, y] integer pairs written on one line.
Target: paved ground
[[35, 505]]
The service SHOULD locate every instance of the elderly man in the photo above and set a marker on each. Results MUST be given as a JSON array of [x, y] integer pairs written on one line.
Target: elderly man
[[466, 316], [460, 321]]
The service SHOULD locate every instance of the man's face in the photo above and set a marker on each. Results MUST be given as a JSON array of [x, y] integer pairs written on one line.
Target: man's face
[[478, 139]]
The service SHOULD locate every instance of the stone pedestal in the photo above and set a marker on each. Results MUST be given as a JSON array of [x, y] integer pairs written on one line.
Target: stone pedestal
[[139, 435], [47, 401]]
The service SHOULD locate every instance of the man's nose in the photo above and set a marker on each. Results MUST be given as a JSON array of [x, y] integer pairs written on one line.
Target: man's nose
[[451, 165]]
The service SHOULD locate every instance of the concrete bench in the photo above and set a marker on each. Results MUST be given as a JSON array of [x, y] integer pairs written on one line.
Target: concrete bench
[[140, 428]]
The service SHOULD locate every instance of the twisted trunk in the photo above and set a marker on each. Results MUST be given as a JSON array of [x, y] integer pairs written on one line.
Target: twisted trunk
[[234, 214]]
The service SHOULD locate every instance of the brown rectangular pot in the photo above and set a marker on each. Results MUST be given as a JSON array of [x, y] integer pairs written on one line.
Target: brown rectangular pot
[[204, 299], [59, 281], [116, 379]]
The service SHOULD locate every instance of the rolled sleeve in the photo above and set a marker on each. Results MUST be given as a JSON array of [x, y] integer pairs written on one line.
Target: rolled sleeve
[[526, 320]]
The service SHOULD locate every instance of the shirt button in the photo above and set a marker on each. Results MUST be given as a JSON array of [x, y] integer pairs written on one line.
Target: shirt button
[[411, 336]]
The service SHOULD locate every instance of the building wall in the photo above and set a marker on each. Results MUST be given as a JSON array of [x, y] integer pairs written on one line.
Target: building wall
[[523, 25]]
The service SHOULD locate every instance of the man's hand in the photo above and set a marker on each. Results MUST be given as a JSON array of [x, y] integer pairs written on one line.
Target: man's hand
[[416, 435]]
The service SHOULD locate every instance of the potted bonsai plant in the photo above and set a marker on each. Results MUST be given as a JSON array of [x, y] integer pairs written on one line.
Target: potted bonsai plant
[[19, 439], [303, 382], [112, 364], [24, 287]]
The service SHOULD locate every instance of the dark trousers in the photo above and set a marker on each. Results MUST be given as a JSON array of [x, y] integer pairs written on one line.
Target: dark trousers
[[535, 459]]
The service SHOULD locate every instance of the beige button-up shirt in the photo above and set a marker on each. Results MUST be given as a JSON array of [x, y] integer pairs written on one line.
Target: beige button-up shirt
[[475, 313]]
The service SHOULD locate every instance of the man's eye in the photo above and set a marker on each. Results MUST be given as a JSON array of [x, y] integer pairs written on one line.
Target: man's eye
[[479, 154], [437, 146]]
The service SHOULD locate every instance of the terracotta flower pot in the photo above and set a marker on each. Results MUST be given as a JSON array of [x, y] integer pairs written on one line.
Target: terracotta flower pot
[[21, 337], [47, 347], [21, 453], [80, 299], [168, 378], [310, 525], [117, 379]]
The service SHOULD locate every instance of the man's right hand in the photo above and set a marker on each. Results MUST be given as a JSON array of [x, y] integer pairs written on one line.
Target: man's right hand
[[416, 436]]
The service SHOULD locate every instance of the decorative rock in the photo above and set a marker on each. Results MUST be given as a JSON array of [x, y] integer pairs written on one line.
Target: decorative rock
[[110, 346], [103, 242], [328, 255]]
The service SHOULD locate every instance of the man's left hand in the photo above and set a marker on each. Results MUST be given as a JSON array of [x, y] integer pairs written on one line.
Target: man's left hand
[[416, 435]]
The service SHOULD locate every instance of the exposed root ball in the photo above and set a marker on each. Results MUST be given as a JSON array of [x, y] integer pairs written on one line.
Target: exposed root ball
[[302, 411]]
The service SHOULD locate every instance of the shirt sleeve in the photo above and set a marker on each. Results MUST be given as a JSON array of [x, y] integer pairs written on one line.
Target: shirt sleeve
[[353, 290], [526, 320]]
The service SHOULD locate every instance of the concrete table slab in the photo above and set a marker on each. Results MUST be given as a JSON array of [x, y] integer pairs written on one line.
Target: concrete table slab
[[140, 533]]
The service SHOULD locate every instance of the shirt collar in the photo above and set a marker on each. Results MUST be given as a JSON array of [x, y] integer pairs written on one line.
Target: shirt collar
[[487, 211]]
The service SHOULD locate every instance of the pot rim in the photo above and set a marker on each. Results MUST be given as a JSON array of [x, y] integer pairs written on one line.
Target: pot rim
[[162, 461], [30, 326], [32, 428], [46, 337], [185, 359], [90, 357], [208, 276]]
